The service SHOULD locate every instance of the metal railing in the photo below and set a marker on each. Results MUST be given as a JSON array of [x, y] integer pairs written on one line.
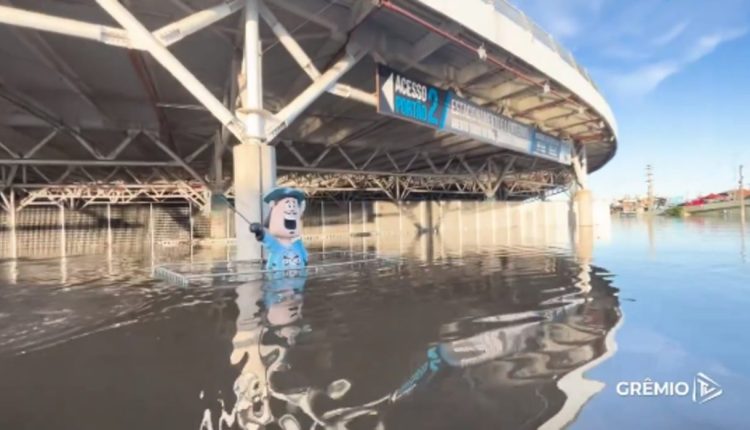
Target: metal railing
[[516, 15]]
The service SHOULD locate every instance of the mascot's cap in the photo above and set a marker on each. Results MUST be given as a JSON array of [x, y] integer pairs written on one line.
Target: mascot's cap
[[282, 193]]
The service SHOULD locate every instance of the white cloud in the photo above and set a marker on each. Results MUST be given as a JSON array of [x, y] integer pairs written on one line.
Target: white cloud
[[642, 81], [671, 34], [638, 44], [708, 43], [645, 79], [564, 27], [564, 19]]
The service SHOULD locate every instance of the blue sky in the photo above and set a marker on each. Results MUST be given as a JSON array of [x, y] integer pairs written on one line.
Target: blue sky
[[677, 76]]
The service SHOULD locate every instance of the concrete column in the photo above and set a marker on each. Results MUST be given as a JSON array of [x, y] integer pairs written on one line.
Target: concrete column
[[460, 228], [351, 227], [248, 197], [364, 226], [582, 199], [109, 238], [62, 230], [151, 231], [217, 159], [323, 225], [584, 208], [477, 225], [254, 162], [218, 217], [12, 222], [400, 207], [109, 226], [493, 215]]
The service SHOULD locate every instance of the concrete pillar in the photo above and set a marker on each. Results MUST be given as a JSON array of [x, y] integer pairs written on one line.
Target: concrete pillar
[[323, 231], [493, 214], [583, 201], [254, 175], [477, 227], [218, 217], [109, 238], [401, 232], [508, 222], [364, 226], [351, 227], [582, 198], [109, 226], [62, 230], [254, 162], [218, 207], [151, 231], [12, 222]]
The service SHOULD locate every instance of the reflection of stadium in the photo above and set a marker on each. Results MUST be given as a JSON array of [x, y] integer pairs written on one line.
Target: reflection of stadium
[[489, 340]]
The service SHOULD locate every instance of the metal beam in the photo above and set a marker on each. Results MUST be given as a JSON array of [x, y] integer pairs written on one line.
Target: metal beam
[[304, 61], [88, 163], [132, 134], [168, 35], [138, 32], [180, 162], [41, 144], [178, 30], [9, 151], [370, 172], [290, 112], [41, 49]]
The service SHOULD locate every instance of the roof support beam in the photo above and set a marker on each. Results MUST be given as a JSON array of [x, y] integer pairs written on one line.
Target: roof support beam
[[9, 151], [138, 32], [86, 163], [304, 61], [41, 144], [180, 162], [168, 35], [41, 49], [132, 134], [32, 108], [290, 112]]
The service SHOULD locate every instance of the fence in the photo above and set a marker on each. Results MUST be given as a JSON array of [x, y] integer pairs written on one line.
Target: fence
[[516, 15], [53, 230], [142, 228]]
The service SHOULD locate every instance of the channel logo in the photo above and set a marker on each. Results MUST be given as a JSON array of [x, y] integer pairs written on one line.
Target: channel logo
[[705, 388]]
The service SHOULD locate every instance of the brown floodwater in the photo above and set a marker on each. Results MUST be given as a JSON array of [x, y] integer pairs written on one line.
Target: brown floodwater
[[498, 333]]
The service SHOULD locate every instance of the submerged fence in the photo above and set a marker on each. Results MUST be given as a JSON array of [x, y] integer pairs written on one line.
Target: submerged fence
[[141, 228]]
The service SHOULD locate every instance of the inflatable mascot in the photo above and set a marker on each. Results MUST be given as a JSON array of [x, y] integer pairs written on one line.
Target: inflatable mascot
[[282, 233]]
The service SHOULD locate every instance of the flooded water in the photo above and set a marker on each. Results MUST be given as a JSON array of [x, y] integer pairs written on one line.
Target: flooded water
[[511, 327]]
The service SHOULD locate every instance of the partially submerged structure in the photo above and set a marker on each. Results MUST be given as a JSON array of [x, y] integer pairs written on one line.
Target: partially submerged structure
[[155, 101]]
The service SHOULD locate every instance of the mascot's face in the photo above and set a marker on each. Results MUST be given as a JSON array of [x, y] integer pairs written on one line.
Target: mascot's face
[[285, 220]]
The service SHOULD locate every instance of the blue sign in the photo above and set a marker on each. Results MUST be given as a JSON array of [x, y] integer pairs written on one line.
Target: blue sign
[[406, 98]]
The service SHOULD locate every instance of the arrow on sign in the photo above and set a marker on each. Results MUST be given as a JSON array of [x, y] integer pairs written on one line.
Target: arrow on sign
[[388, 91]]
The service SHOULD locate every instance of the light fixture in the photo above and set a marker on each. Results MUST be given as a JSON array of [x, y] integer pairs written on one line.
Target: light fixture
[[482, 52]]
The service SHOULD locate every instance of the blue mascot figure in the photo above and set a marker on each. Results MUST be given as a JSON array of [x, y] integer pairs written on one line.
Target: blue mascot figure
[[282, 233]]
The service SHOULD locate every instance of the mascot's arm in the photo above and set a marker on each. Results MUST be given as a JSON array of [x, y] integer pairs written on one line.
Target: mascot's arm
[[257, 229]]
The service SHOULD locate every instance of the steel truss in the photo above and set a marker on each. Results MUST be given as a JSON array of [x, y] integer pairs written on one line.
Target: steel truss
[[397, 175], [370, 173], [77, 196], [350, 186]]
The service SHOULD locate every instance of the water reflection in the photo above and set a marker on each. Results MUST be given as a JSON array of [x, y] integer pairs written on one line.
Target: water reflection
[[438, 344], [743, 234]]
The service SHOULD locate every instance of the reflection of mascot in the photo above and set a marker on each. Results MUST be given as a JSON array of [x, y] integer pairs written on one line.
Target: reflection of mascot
[[282, 234]]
